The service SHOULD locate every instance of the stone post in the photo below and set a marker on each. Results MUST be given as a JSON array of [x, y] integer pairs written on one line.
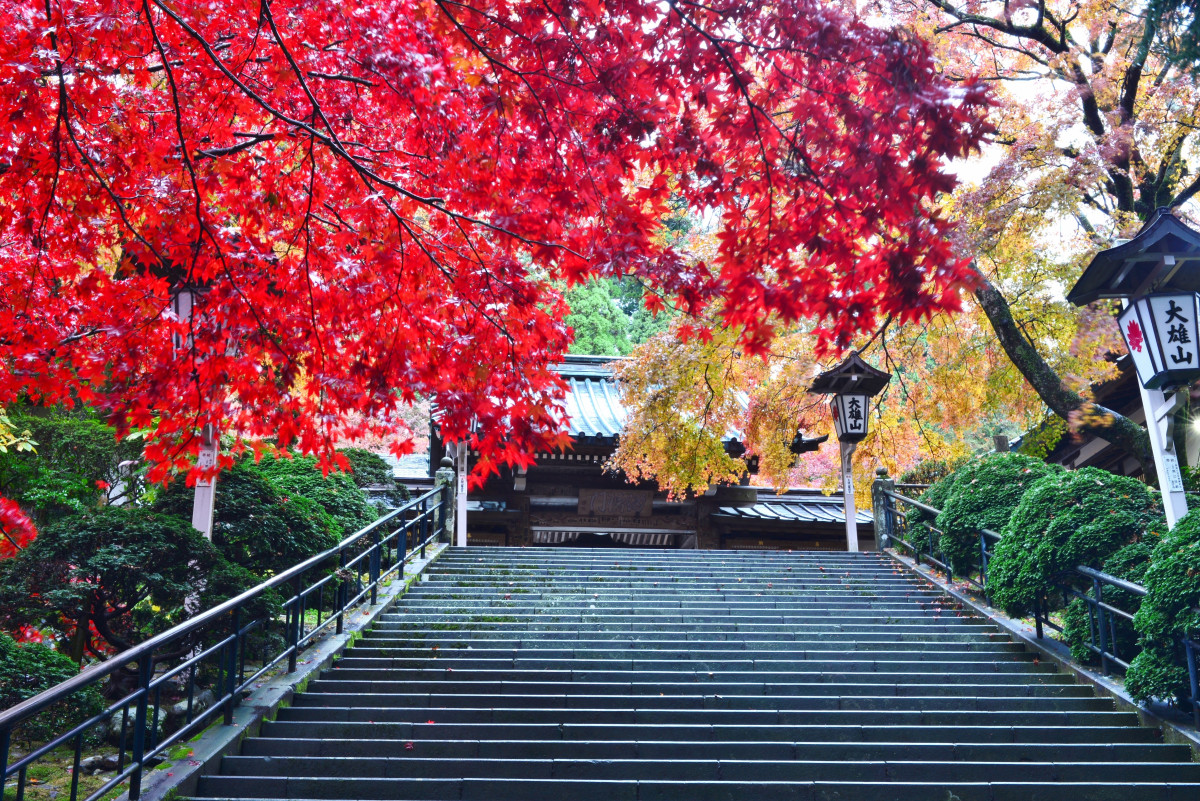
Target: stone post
[[883, 518], [444, 478]]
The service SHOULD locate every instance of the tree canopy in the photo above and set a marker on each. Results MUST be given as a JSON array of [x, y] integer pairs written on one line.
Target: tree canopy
[[371, 201], [1095, 129]]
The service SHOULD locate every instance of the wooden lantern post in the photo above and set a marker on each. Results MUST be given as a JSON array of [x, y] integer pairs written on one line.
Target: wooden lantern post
[[852, 383], [1156, 277]]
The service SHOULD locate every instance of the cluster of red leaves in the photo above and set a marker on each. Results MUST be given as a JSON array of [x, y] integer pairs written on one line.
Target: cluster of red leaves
[[16, 529], [376, 196]]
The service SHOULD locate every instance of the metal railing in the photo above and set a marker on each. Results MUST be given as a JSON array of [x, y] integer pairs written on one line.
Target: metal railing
[[1105, 620], [222, 652], [925, 543]]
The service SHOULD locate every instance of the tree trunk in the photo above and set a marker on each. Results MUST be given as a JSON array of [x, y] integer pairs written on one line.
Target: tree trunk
[[1093, 418]]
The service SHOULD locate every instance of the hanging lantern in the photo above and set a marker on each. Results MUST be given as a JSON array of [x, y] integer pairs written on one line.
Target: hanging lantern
[[849, 416], [1161, 333]]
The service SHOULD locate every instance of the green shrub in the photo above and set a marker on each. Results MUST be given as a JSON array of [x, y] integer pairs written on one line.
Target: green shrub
[[336, 493], [256, 524], [74, 450], [929, 471], [370, 470], [127, 571], [1129, 563], [917, 520], [983, 495], [30, 668], [1168, 611], [1066, 519]]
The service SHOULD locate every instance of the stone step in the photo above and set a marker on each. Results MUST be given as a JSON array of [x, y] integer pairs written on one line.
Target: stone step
[[640, 660], [1080, 700], [494, 789], [637, 660], [695, 640], [992, 649], [867, 684], [834, 732], [718, 749], [773, 631], [712, 770], [723, 717]]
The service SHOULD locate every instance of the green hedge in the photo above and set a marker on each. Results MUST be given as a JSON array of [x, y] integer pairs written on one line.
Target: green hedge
[[256, 524], [137, 566], [1168, 611], [336, 493], [30, 668], [1129, 563], [1065, 519], [984, 494], [936, 496], [370, 470]]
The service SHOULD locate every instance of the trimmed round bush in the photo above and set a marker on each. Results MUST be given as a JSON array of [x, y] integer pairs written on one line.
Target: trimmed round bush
[[370, 470], [30, 668], [336, 493], [1129, 563], [129, 572], [984, 495], [256, 524], [1066, 519], [935, 496], [1169, 610], [367, 469]]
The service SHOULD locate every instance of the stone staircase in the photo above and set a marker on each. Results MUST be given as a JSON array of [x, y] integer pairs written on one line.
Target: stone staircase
[[516, 674]]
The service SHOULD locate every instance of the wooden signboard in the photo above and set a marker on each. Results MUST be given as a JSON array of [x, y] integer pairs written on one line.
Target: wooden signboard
[[616, 503]]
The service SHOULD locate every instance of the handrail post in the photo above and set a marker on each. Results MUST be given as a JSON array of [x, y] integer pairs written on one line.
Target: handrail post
[[145, 674], [983, 560], [375, 562], [231, 670], [1038, 605], [294, 624], [5, 745], [1101, 624], [424, 523], [343, 591], [884, 508], [1189, 650]]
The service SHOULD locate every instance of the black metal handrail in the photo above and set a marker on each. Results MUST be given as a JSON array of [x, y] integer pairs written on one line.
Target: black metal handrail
[[227, 648], [1102, 616], [930, 550]]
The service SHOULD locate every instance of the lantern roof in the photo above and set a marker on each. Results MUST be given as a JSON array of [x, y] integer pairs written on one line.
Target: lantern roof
[[1163, 256], [853, 375]]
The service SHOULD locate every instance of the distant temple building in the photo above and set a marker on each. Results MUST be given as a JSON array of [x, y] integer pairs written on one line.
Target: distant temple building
[[569, 499]]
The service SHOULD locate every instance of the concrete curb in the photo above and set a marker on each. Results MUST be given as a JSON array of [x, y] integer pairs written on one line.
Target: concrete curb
[[1174, 727], [179, 777]]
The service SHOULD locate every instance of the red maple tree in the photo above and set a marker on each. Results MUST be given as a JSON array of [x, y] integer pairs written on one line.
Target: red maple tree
[[371, 200]]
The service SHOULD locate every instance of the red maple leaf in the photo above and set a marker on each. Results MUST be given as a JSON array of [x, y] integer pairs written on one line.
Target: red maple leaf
[[1134, 336]]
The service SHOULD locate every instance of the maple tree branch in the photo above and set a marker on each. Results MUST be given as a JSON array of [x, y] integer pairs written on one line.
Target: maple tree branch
[[1133, 72], [339, 77], [1088, 416], [1035, 32], [1187, 194], [216, 152]]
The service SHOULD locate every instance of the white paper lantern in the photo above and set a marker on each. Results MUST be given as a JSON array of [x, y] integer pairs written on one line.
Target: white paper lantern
[[1162, 336], [849, 416]]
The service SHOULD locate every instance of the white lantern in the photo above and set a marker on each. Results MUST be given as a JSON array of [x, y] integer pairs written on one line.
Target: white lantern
[[849, 416], [1161, 333]]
